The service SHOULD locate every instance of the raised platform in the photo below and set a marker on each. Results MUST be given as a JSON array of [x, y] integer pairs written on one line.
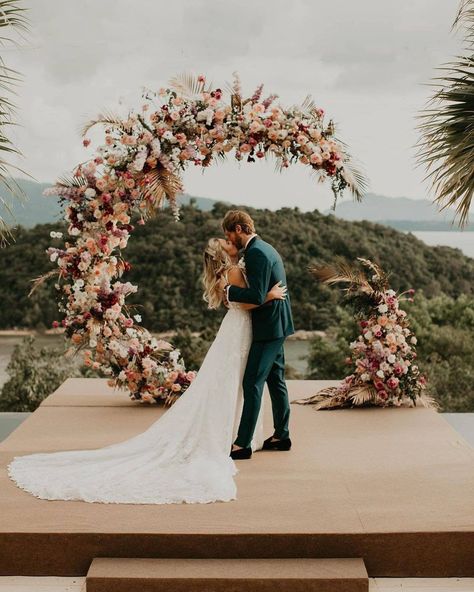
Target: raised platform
[[394, 487]]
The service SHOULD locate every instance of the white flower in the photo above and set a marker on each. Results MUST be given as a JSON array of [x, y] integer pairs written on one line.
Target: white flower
[[90, 192], [138, 318], [365, 377], [74, 231], [382, 308], [368, 335], [413, 339], [53, 256], [168, 135], [155, 147], [54, 234], [391, 358], [380, 374]]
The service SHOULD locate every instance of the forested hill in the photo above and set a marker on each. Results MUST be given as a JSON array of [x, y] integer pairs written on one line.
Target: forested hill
[[166, 263]]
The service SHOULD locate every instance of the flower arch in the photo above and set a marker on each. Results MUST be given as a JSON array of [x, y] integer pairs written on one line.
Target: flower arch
[[136, 170]]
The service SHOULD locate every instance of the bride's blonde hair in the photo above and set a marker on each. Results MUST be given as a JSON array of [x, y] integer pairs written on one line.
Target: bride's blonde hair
[[216, 263]]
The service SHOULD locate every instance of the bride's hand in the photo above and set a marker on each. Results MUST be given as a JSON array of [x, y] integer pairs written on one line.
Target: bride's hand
[[278, 292]]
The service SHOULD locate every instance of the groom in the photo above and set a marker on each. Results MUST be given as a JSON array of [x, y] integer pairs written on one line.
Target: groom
[[272, 322]]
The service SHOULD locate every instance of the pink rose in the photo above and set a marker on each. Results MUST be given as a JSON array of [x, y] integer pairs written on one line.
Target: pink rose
[[392, 382]]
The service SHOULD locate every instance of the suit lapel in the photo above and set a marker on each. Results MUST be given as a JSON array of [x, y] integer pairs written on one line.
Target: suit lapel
[[250, 243]]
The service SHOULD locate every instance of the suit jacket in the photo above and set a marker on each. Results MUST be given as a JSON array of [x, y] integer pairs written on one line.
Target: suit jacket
[[264, 268]]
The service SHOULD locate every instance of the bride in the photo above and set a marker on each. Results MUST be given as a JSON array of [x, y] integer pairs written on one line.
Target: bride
[[184, 455]]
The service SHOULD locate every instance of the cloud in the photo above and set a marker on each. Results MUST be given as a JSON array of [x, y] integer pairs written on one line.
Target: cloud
[[362, 61]]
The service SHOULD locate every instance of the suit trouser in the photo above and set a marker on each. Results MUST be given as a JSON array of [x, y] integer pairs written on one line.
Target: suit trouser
[[265, 363]]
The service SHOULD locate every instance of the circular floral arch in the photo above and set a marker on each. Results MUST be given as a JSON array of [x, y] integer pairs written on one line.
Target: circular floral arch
[[136, 170]]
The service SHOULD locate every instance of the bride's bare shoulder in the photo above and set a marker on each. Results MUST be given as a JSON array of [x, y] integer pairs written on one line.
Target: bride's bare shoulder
[[235, 276]]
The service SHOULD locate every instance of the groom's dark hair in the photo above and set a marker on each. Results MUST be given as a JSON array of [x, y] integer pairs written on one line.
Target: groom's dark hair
[[234, 217]]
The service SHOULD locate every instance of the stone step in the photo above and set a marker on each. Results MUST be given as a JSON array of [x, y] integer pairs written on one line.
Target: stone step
[[227, 575]]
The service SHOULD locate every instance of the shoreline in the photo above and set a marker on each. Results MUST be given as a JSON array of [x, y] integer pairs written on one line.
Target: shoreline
[[299, 335]]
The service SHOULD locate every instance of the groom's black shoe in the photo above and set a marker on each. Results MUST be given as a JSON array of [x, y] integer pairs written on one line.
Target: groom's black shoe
[[241, 453], [284, 444]]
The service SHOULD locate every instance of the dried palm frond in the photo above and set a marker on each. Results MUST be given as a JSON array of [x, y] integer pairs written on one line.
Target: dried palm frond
[[235, 92], [353, 173], [104, 118], [188, 86], [37, 282], [362, 394], [374, 267], [326, 398], [307, 107], [357, 396], [161, 183], [446, 142], [342, 272], [170, 399], [71, 181], [428, 401]]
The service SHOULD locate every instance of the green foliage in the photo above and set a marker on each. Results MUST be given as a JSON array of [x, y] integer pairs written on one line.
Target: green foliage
[[326, 359], [166, 259], [443, 326], [35, 372]]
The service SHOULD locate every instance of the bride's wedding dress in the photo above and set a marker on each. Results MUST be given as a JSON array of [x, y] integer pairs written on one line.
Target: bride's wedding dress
[[182, 457]]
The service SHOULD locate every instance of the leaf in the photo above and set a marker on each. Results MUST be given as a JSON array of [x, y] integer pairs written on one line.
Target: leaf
[[161, 184], [188, 86], [341, 272], [104, 118], [446, 129], [37, 282]]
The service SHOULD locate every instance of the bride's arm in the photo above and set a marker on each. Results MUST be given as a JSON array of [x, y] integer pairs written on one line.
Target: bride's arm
[[236, 278]]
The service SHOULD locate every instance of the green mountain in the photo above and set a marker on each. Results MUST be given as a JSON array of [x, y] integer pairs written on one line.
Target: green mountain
[[402, 213], [166, 264], [36, 208]]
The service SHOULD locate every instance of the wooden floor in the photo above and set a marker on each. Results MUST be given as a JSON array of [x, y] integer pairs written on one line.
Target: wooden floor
[[55, 584], [393, 486]]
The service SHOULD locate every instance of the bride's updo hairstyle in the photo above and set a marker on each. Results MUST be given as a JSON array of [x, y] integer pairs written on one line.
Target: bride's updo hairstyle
[[216, 262]]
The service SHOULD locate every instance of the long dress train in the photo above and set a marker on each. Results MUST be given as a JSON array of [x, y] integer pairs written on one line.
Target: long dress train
[[182, 457]]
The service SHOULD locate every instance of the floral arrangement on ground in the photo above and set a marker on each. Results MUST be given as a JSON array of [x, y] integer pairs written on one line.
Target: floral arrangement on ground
[[134, 172], [383, 357]]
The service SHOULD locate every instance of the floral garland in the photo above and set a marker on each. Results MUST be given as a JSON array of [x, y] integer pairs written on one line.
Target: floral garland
[[132, 173], [383, 357]]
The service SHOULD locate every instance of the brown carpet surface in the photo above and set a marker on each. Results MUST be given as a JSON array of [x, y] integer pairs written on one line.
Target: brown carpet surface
[[350, 470]]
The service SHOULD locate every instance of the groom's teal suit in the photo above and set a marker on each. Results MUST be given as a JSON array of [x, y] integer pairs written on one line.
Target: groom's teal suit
[[272, 322]]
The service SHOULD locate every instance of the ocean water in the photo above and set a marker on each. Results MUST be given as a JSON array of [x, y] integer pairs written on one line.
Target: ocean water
[[295, 352], [458, 239]]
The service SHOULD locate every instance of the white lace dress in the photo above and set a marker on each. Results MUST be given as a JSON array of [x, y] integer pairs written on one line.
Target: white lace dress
[[182, 457]]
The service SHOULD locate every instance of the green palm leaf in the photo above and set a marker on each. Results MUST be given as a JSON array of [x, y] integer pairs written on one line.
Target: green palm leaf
[[12, 19], [446, 144]]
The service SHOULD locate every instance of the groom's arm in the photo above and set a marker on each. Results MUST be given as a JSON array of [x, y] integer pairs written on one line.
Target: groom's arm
[[258, 271]]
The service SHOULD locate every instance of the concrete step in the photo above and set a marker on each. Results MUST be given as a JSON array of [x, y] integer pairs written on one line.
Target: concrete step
[[227, 575]]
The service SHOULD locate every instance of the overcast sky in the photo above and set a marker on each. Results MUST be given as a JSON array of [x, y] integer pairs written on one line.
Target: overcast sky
[[365, 62]]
